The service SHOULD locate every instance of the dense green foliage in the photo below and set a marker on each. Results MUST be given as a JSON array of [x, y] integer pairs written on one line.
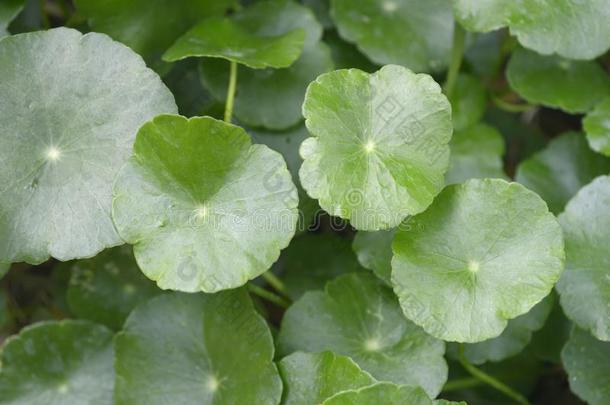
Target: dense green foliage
[[304, 202]]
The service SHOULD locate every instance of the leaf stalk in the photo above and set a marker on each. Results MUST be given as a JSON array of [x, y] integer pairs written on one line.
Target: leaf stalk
[[231, 92]]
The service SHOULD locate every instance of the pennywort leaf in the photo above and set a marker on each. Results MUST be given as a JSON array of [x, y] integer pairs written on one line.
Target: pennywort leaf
[[381, 393], [597, 127], [374, 251]]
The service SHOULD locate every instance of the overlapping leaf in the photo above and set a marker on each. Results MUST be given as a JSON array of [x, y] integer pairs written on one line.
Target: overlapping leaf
[[381, 393], [468, 101], [597, 127], [8, 11], [374, 251]]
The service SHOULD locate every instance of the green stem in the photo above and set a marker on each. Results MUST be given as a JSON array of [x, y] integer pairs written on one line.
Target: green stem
[[457, 53], [268, 295], [231, 92], [275, 283], [43, 15], [461, 383], [489, 380], [511, 108]]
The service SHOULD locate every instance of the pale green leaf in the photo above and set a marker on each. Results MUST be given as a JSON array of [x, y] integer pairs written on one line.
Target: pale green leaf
[[597, 127], [374, 251], [481, 15], [381, 393]]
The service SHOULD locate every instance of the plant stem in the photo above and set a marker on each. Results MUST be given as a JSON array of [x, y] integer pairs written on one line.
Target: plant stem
[[275, 283], [489, 380], [268, 295], [461, 383], [511, 108], [457, 52], [231, 92]]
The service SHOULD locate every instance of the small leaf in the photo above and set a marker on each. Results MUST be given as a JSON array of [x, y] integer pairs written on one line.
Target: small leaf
[[476, 152], [583, 288], [195, 190], [357, 316], [378, 150], [485, 252], [587, 362], [415, 34], [374, 250], [381, 393], [206, 349], [9, 9], [573, 86], [468, 102], [67, 125], [58, 363], [106, 288], [561, 169], [310, 378], [597, 127]]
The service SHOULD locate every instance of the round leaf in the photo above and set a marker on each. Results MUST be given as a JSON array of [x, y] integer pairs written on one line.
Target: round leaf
[[573, 86], [310, 378], [378, 150], [58, 363], [195, 190], [597, 127], [587, 362], [468, 102], [106, 288], [67, 125], [374, 251], [561, 169], [481, 15], [412, 33], [207, 349], [357, 316], [583, 288], [381, 393], [486, 251]]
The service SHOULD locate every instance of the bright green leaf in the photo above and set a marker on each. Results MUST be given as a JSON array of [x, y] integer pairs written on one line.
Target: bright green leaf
[[357, 316], [485, 252], [476, 152], [67, 124], [8, 11], [561, 169], [195, 190], [58, 363], [416, 34], [106, 288], [310, 378], [573, 86], [374, 251], [597, 127], [378, 150], [196, 348], [587, 362], [584, 288], [468, 102], [381, 393]]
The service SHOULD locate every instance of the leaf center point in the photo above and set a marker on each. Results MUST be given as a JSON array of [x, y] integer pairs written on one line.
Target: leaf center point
[[53, 154], [473, 266]]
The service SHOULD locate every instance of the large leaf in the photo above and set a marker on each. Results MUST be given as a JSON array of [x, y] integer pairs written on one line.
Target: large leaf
[[8, 11], [561, 169], [67, 124], [485, 252], [196, 348], [149, 27], [381, 393], [374, 251], [257, 37], [583, 288], [310, 378], [587, 362], [597, 127], [412, 33], [357, 316], [195, 190], [58, 363], [378, 150], [573, 86], [106, 288]]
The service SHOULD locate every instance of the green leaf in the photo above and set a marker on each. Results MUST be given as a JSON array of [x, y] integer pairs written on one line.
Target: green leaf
[[58, 363], [381, 393], [195, 190], [445, 402], [206, 349], [597, 127], [481, 16], [148, 27], [310, 378], [106, 288], [313, 259], [183, 81], [561, 169], [253, 37], [378, 150], [8, 11], [485, 252], [67, 124], [346, 55], [412, 33], [583, 288], [321, 9], [553, 81], [357, 316], [587, 362], [468, 102], [374, 251], [513, 339], [476, 152]]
